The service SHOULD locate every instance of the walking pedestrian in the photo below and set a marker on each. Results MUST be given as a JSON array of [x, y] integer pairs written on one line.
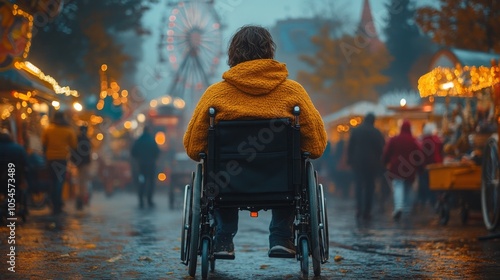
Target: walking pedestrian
[[257, 87], [364, 154], [58, 140], [343, 171], [13, 164], [145, 152], [81, 157], [432, 148], [404, 158]]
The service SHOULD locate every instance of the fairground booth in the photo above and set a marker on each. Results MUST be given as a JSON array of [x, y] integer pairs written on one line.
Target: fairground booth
[[467, 83], [28, 96]]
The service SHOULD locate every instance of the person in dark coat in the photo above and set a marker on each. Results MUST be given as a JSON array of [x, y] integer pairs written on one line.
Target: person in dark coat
[[145, 152], [343, 173], [404, 157], [13, 164], [364, 154]]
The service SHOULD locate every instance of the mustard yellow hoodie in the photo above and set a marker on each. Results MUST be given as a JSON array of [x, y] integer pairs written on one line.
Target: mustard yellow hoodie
[[256, 89], [58, 140]]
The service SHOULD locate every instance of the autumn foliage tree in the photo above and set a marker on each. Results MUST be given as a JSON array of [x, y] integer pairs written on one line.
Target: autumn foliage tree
[[72, 46], [345, 70], [466, 24]]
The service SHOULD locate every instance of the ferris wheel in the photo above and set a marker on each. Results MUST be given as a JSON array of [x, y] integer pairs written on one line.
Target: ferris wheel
[[191, 45]]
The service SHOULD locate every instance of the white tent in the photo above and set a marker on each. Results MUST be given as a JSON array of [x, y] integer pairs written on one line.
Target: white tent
[[360, 108]]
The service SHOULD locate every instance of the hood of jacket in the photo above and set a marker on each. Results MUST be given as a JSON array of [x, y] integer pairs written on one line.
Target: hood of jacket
[[257, 77], [406, 127]]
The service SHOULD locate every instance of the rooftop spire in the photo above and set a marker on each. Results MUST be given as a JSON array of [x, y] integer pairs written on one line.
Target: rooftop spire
[[366, 26]]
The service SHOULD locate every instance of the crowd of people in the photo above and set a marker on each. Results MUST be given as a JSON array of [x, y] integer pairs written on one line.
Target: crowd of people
[[64, 144], [364, 161]]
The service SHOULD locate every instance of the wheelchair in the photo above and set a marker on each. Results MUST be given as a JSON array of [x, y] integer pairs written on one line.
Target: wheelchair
[[254, 165]]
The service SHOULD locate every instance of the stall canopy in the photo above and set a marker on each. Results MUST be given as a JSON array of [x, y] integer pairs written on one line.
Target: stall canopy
[[456, 72], [360, 108], [20, 80]]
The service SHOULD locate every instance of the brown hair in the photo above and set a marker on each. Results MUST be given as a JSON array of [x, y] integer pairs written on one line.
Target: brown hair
[[248, 43]]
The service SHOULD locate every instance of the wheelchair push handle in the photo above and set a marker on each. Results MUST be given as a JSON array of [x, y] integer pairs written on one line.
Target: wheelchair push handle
[[211, 113], [296, 113]]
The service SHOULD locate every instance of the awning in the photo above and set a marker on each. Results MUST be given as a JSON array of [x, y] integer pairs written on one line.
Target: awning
[[360, 108], [459, 73], [458, 81], [19, 80], [15, 79]]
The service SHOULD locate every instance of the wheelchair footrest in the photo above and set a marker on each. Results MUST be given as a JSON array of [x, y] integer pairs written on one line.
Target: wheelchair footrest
[[224, 256], [281, 255]]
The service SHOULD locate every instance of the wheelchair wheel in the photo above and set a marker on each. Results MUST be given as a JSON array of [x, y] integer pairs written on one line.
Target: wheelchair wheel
[[323, 231], [195, 222], [186, 223], [490, 186], [204, 258], [314, 220], [304, 258]]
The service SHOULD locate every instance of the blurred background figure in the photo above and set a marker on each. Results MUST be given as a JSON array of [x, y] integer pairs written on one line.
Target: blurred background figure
[[324, 164], [144, 154], [12, 153], [402, 166], [81, 158], [58, 140], [342, 173], [364, 153], [432, 148]]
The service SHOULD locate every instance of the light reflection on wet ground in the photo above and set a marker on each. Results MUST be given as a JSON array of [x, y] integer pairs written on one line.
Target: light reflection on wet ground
[[115, 240]]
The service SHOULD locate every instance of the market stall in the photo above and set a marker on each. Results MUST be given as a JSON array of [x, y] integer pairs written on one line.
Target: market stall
[[470, 129], [28, 96]]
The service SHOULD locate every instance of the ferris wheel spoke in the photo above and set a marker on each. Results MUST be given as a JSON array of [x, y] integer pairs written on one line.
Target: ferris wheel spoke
[[192, 46]]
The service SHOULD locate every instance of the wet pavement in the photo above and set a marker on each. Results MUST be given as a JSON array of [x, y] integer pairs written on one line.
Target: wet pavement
[[113, 239]]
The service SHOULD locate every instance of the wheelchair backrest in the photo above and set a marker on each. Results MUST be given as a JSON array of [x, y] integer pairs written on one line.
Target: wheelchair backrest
[[252, 156]]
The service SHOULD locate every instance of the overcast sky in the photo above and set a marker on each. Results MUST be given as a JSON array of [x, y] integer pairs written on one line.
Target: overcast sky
[[236, 13]]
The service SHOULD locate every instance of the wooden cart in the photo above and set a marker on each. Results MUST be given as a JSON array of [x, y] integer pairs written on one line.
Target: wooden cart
[[459, 179]]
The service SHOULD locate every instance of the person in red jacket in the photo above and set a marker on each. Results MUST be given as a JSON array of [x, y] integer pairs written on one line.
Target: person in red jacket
[[404, 157]]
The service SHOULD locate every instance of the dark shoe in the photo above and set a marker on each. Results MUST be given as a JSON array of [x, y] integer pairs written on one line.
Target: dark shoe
[[223, 248], [151, 204], [282, 249]]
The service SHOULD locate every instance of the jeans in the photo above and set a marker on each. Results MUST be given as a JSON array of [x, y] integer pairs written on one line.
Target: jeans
[[400, 188], [57, 169], [280, 228]]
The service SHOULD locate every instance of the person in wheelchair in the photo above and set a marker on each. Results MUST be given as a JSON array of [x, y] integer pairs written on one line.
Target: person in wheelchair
[[255, 87]]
